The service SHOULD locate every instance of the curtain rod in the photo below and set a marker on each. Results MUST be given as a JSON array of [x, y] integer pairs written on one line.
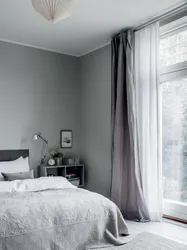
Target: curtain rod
[[163, 17], [178, 10]]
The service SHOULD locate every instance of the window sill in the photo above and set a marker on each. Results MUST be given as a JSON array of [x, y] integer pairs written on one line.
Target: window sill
[[175, 221]]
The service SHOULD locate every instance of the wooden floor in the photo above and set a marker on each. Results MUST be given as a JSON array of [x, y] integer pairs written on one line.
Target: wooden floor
[[176, 231]]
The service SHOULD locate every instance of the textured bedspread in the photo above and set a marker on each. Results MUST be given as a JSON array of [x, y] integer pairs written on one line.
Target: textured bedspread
[[66, 219]]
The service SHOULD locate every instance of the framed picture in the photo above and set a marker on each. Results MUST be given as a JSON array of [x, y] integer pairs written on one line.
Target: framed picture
[[66, 138]]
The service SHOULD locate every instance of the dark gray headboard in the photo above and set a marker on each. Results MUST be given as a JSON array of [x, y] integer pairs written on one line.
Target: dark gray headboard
[[11, 155]]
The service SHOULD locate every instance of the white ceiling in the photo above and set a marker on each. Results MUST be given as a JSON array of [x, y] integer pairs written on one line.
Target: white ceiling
[[91, 25]]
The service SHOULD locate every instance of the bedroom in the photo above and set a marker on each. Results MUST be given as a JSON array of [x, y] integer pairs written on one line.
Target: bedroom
[[55, 79]]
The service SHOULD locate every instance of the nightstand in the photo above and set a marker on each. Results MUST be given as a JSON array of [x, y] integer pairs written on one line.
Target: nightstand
[[74, 173]]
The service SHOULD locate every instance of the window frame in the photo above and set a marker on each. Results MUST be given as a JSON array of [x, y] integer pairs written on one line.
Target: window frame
[[171, 73]]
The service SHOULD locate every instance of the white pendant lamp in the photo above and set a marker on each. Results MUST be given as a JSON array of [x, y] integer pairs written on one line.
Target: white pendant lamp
[[53, 10]]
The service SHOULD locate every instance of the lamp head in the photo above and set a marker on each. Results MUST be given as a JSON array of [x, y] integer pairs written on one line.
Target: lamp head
[[36, 136]]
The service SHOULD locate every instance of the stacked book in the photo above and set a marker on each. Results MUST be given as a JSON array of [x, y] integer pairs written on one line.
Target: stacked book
[[73, 179]]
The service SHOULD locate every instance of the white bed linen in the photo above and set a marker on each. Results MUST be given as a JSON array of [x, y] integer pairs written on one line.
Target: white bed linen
[[57, 216], [19, 165], [34, 185]]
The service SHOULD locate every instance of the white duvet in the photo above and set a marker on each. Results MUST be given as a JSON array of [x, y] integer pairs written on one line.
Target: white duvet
[[52, 214], [34, 185]]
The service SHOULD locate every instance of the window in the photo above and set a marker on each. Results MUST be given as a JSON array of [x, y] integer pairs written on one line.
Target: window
[[173, 64], [174, 108], [173, 48], [173, 43]]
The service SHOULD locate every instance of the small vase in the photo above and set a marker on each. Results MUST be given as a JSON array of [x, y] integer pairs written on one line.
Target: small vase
[[58, 161]]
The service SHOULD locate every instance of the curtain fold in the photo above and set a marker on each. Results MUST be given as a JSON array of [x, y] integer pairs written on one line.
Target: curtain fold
[[127, 185], [136, 152], [147, 90]]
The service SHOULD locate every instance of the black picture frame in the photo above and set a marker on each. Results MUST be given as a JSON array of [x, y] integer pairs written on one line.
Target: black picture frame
[[66, 138]]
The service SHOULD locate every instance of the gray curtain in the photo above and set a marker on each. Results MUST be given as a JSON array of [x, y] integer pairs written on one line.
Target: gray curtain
[[126, 189]]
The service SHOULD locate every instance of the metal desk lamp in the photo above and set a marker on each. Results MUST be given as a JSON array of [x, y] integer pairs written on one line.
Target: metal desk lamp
[[38, 136]]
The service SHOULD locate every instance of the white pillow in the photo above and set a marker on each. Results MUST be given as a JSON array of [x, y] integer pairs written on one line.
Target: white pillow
[[19, 165], [4, 164]]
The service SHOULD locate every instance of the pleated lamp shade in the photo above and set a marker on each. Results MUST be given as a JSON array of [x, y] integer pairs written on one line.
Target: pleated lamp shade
[[53, 10]]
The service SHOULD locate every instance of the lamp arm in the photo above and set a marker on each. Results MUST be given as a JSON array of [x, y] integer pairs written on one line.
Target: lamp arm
[[42, 161], [43, 139]]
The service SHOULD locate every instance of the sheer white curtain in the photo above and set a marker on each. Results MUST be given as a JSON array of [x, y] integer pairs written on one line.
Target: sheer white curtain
[[147, 88]]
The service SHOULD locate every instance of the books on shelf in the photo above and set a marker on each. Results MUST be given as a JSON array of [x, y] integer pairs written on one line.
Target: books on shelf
[[75, 181], [70, 176]]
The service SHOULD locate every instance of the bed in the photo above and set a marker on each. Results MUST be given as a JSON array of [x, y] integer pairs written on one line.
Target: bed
[[51, 214]]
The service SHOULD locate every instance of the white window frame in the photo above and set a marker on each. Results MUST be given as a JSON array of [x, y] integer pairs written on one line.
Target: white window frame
[[171, 73]]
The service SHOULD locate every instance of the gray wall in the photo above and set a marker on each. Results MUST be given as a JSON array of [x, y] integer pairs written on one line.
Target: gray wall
[[46, 92], [39, 91], [96, 119]]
